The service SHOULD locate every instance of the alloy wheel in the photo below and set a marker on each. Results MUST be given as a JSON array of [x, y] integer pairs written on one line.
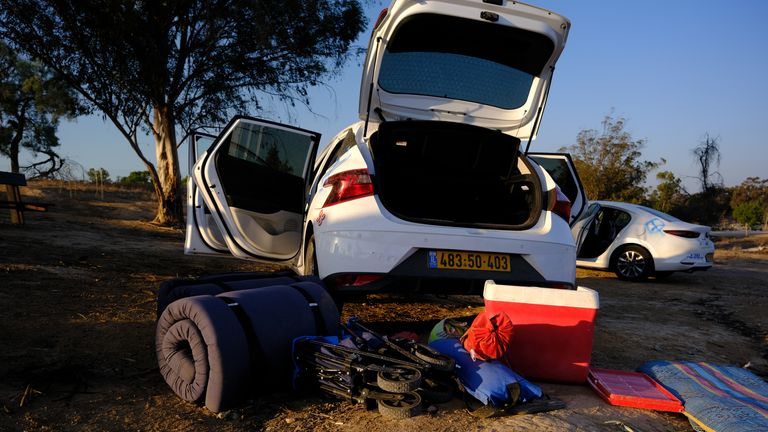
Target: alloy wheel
[[631, 264]]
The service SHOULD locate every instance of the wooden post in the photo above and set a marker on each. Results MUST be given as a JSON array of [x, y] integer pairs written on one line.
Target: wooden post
[[14, 196], [12, 181]]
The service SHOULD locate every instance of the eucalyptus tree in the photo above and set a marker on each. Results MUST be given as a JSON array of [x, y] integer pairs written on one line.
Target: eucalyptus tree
[[164, 67]]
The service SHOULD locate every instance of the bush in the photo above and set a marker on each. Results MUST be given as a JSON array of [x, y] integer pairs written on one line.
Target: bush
[[136, 178]]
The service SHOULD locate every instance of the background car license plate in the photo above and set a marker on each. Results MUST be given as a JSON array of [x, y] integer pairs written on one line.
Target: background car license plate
[[468, 261]]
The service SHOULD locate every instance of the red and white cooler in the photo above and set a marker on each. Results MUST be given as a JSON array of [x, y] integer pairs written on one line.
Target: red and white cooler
[[553, 329]]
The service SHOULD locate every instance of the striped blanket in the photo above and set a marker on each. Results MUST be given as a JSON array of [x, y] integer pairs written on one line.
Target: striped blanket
[[716, 397]]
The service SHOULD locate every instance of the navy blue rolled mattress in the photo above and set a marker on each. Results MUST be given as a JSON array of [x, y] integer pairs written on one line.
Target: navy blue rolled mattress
[[221, 349], [174, 289]]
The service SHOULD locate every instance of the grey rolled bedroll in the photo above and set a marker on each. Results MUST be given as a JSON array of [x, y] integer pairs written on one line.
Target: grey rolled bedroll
[[174, 289], [221, 349]]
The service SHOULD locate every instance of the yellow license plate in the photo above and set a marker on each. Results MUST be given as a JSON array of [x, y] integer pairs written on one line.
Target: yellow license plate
[[439, 259]]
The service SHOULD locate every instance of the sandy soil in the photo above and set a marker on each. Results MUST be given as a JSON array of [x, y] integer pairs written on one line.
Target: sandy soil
[[77, 304]]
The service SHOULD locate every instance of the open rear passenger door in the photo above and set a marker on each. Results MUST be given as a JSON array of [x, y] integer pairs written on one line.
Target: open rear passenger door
[[202, 235], [562, 170], [253, 180]]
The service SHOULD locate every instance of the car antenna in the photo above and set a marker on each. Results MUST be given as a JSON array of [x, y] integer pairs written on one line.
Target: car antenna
[[540, 110], [370, 90]]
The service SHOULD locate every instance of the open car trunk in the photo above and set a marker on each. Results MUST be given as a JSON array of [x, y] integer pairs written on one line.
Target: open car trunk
[[454, 174]]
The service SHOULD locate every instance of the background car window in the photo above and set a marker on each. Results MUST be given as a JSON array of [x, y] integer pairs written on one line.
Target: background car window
[[622, 220], [560, 172]]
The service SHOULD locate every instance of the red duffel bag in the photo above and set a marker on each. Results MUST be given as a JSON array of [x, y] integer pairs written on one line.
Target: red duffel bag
[[489, 336]]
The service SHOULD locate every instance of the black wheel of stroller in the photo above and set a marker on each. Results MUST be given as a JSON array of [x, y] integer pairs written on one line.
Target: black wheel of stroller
[[399, 380], [436, 391], [407, 406], [435, 359]]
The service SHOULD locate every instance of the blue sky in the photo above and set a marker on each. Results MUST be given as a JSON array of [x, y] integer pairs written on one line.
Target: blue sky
[[676, 70]]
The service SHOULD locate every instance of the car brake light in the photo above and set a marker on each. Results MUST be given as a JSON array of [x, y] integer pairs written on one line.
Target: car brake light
[[683, 233], [561, 205], [382, 14], [348, 185]]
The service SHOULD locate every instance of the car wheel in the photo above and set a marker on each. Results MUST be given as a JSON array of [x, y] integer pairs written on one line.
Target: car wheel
[[310, 269], [633, 263], [310, 258]]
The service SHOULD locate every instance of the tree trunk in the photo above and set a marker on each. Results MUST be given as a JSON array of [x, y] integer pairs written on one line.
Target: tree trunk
[[13, 151], [168, 182]]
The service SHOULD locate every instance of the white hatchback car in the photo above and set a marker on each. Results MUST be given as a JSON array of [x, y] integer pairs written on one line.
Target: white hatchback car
[[431, 187], [636, 241]]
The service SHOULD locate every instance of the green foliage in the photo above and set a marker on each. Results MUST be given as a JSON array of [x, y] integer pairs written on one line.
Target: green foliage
[[749, 213], [100, 176], [32, 100], [709, 207], [158, 65], [136, 178], [609, 163], [751, 189], [669, 193]]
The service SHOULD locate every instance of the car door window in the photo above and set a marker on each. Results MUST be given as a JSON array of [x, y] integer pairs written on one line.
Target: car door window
[[277, 157], [561, 168]]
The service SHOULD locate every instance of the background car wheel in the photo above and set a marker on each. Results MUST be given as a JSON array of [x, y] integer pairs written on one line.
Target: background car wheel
[[632, 263]]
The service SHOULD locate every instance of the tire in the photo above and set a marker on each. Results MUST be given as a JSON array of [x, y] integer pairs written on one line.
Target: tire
[[632, 263], [310, 269], [439, 362], [310, 258], [399, 380], [408, 406]]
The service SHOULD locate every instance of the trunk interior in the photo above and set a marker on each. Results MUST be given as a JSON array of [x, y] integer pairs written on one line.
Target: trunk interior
[[454, 174]]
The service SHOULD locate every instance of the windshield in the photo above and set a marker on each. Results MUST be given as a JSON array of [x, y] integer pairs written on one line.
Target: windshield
[[458, 58]]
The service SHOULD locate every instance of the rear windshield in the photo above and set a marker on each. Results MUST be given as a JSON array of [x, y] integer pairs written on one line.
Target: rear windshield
[[658, 214], [457, 58]]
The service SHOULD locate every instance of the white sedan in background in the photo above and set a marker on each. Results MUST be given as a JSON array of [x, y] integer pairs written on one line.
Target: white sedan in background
[[636, 242]]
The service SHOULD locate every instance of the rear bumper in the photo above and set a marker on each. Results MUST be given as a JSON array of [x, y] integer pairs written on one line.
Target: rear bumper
[[690, 262], [542, 255]]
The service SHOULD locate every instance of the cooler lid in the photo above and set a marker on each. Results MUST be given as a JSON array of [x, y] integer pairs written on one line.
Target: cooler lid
[[632, 389], [581, 297]]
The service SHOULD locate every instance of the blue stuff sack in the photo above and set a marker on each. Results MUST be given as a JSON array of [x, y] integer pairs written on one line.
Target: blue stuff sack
[[486, 381]]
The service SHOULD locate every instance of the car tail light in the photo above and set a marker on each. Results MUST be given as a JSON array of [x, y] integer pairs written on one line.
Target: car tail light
[[348, 185], [561, 205], [683, 233]]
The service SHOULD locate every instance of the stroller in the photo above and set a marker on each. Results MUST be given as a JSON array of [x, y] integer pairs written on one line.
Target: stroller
[[396, 375]]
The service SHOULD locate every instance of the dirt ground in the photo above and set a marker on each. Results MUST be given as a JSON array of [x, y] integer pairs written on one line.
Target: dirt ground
[[77, 315]]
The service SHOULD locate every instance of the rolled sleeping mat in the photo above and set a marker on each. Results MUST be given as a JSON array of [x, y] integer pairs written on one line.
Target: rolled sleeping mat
[[175, 289], [218, 350]]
